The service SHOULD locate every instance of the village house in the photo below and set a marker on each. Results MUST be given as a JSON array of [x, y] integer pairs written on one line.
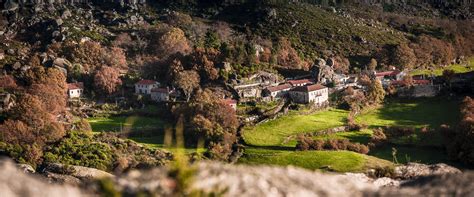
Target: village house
[[251, 88], [341, 79], [300, 82], [248, 91], [160, 94], [231, 102], [317, 94], [75, 90], [387, 76], [145, 86], [277, 92]]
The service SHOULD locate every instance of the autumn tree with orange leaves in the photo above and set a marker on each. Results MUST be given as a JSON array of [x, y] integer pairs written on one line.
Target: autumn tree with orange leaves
[[107, 80]]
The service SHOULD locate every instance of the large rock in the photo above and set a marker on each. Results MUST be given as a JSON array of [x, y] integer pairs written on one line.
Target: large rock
[[14, 183], [62, 179], [80, 172], [415, 170], [26, 168], [378, 182], [440, 185], [238, 180], [241, 180]]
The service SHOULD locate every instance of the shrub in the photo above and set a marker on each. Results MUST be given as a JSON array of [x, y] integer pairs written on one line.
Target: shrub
[[378, 137], [359, 148], [303, 142], [331, 144], [104, 151], [397, 131], [307, 143]]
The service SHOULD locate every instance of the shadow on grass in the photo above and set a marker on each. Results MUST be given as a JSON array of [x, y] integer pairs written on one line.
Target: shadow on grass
[[363, 138], [275, 148], [416, 112], [406, 153]]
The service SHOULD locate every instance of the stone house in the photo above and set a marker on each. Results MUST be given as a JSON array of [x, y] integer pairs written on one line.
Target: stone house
[[420, 88], [75, 90], [145, 86], [300, 82], [277, 92], [249, 90], [317, 94], [341, 79], [160, 94]]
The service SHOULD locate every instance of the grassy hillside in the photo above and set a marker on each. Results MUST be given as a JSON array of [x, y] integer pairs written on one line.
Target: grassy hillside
[[341, 161], [414, 112], [268, 143], [312, 29], [274, 132]]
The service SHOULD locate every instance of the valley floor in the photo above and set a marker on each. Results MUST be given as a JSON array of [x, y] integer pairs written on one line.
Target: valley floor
[[273, 142], [267, 143]]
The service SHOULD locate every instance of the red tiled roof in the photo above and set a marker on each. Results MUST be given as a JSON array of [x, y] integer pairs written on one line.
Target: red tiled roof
[[387, 73], [300, 81], [229, 101], [279, 87], [146, 82], [75, 86], [309, 88], [161, 90]]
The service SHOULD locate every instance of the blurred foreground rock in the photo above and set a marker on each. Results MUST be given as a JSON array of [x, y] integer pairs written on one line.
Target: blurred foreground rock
[[234, 180], [415, 170], [14, 182]]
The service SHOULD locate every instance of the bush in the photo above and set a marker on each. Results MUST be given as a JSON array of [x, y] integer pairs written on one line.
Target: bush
[[359, 148], [307, 143], [378, 138], [104, 151], [397, 131]]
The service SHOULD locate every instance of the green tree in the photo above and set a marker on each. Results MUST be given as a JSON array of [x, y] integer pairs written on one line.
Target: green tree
[[372, 64], [375, 92], [211, 40]]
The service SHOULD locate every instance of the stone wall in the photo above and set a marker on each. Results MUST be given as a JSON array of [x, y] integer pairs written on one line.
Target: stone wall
[[419, 91]]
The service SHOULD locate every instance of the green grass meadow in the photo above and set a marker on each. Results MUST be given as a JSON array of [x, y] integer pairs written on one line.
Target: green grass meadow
[[455, 67], [265, 142], [341, 161], [274, 132], [119, 123], [153, 129]]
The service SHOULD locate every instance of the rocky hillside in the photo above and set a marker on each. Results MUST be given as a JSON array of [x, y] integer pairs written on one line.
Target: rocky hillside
[[234, 180]]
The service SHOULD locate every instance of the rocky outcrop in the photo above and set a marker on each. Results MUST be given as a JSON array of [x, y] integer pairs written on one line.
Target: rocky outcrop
[[241, 180], [72, 175], [441, 185], [415, 170], [14, 182]]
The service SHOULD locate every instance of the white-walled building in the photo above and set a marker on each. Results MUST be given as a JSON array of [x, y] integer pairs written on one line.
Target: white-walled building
[[277, 92], [317, 94], [75, 90], [145, 86], [160, 94]]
